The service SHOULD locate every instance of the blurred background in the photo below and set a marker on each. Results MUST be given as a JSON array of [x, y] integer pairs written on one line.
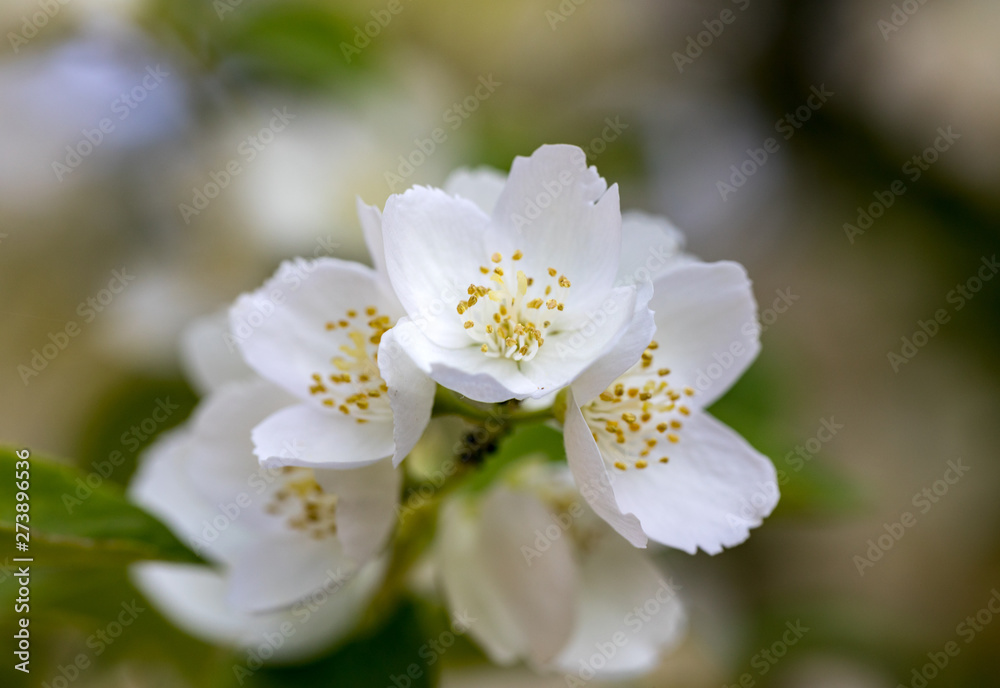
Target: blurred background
[[159, 157]]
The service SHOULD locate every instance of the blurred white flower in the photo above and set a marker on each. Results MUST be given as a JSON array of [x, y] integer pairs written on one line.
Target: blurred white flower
[[548, 582], [289, 545], [509, 287], [647, 456]]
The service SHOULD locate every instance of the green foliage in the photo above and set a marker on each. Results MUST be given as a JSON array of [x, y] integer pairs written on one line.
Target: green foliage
[[80, 517], [289, 44], [127, 419]]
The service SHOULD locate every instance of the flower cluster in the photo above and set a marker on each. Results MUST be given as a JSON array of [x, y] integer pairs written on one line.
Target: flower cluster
[[525, 298]]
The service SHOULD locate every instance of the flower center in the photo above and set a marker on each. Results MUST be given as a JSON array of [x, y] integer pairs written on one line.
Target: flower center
[[303, 504], [636, 418], [509, 315], [354, 386]]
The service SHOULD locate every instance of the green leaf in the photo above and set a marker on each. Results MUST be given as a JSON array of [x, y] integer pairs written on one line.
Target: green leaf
[[295, 43], [79, 517], [128, 418]]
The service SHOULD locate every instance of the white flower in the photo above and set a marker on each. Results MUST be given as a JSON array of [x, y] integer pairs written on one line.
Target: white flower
[[509, 287], [288, 544], [654, 463], [547, 582], [319, 329]]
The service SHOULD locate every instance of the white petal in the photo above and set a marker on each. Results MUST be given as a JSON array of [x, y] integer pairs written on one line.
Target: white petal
[[482, 186], [466, 370], [411, 394], [194, 598], [540, 591], [576, 228], [522, 605], [592, 477], [221, 464], [650, 246], [371, 226], [209, 354], [464, 575], [615, 580], [282, 327], [304, 436], [715, 488], [366, 506], [706, 327], [566, 355], [618, 360], [162, 486], [434, 245], [277, 571]]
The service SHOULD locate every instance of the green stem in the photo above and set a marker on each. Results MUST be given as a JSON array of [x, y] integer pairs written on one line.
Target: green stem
[[447, 403], [418, 523]]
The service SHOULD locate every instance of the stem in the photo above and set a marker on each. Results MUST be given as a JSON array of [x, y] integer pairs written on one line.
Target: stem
[[414, 534], [530, 416], [447, 403], [418, 523]]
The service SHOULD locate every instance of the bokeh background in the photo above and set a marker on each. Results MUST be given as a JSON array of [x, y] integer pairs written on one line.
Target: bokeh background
[[665, 96]]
